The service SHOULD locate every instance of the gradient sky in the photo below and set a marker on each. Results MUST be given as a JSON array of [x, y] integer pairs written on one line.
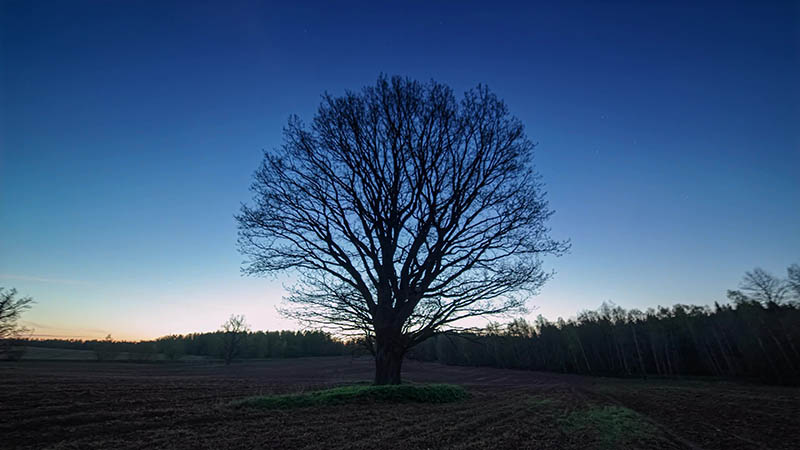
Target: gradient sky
[[669, 140]]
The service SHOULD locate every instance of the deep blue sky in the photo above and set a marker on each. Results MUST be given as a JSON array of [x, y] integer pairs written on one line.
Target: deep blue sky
[[668, 139]]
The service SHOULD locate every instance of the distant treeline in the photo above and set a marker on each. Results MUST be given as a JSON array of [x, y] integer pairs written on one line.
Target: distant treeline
[[756, 336], [748, 338], [258, 344]]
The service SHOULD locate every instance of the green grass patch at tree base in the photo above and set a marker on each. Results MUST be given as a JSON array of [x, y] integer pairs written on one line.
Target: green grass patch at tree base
[[404, 393]]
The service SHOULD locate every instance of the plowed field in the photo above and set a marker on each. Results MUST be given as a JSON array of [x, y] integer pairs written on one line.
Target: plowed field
[[106, 405]]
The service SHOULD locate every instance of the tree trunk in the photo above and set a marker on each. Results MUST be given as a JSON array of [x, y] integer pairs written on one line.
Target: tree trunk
[[666, 356], [638, 352], [388, 361], [585, 359], [780, 347], [655, 354], [725, 354]]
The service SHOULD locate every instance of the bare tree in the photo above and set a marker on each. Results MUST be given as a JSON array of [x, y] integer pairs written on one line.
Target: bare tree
[[234, 331], [402, 210], [11, 310], [793, 280], [764, 287], [104, 350]]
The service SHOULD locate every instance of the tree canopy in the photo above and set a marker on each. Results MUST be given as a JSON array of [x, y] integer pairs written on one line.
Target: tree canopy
[[402, 210]]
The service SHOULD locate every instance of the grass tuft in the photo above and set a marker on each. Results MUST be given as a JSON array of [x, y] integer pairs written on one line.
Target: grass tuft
[[613, 426], [404, 393], [539, 401]]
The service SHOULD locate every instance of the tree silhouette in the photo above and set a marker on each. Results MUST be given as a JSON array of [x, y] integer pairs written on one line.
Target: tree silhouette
[[764, 287], [793, 281], [403, 210], [11, 309], [234, 331], [105, 349]]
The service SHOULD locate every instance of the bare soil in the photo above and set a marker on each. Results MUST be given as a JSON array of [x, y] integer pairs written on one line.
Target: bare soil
[[113, 405]]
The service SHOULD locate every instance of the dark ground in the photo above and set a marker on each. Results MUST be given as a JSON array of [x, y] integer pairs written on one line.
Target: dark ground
[[99, 405]]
